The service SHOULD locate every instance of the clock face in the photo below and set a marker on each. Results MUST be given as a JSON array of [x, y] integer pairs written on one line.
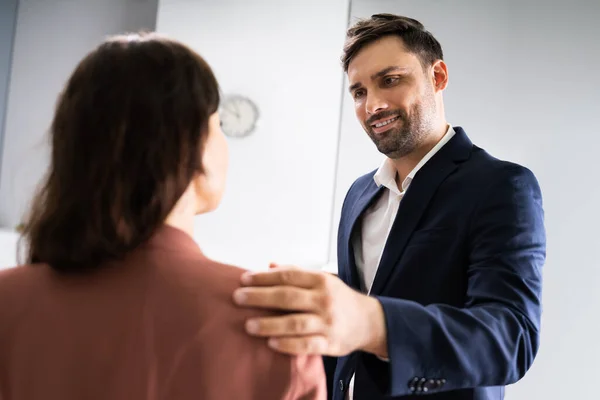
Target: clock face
[[238, 116]]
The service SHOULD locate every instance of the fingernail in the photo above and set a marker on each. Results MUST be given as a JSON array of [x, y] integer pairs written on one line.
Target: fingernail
[[247, 278], [252, 326], [273, 343], [239, 296]]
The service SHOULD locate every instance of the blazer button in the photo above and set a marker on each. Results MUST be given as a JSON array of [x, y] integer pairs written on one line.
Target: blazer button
[[433, 384], [341, 385], [413, 383], [430, 385]]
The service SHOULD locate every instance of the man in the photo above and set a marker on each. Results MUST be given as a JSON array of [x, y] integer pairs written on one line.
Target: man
[[440, 250]]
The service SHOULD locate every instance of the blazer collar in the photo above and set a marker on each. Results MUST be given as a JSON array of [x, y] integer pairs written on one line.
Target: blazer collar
[[413, 205]]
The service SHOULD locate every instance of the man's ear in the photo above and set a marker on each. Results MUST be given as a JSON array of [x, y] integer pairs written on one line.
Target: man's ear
[[439, 75]]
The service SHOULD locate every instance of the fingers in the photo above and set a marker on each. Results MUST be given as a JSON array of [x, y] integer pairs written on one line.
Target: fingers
[[275, 265], [315, 344], [287, 276], [289, 325], [278, 298]]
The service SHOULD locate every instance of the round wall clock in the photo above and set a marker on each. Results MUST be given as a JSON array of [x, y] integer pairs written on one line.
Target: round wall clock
[[238, 116]]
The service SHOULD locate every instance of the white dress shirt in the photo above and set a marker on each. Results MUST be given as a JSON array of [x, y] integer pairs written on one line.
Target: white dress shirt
[[368, 242]]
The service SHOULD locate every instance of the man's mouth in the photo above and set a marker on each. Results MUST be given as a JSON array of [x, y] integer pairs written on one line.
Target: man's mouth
[[384, 123]]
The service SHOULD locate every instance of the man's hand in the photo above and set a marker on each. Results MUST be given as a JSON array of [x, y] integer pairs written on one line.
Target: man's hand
[[329, 317]]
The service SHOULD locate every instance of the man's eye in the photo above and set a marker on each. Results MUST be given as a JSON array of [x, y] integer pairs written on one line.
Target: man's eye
[[358, 94], [390, 80]]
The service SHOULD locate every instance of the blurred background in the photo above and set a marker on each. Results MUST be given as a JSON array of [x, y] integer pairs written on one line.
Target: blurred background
[[524, 84]]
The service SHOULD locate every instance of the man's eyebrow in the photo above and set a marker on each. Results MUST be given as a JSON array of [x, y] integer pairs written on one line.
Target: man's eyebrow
[[379, 74], [386, 71], [354, 87]]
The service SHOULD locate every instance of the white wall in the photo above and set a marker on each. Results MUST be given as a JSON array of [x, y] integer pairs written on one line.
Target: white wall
[[51, 37], [8, 17], [285, 56], [523, 84], [8, 248]]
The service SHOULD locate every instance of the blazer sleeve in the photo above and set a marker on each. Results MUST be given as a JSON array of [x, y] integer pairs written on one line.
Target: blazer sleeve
[[494, 338], [307, 379]]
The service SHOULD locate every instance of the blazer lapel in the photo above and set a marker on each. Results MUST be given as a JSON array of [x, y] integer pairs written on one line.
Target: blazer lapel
[[365, 199], [415, 202]]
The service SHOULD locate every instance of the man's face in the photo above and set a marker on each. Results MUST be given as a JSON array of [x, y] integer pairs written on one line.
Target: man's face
[[394, 97]]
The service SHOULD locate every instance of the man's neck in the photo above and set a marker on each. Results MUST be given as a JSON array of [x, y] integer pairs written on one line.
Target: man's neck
[[406, 164]]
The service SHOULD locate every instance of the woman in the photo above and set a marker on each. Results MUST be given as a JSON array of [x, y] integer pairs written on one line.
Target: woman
[[118, 301]]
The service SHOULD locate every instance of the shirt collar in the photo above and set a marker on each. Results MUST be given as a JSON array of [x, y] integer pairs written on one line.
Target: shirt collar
[[386, 174]]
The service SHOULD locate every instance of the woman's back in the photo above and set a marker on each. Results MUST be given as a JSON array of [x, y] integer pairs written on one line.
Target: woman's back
[[159, 325]]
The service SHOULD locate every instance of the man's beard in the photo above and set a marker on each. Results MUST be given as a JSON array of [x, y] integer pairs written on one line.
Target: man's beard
[[400, 141]]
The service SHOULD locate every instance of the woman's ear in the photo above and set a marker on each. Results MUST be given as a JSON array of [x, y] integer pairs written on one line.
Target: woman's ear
[[210, 183]]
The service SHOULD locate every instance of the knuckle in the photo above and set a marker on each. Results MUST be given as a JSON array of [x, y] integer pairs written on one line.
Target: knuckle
[[287, 296], [306, 345], [298, 325], [321, 280], [325, 301], [287, 277], [328, 320]]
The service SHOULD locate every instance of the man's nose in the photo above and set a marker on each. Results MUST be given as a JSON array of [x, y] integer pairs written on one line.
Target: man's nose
[[375, 104]]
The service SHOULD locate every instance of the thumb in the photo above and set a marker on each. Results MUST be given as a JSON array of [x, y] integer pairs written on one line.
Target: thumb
[[275, 265]]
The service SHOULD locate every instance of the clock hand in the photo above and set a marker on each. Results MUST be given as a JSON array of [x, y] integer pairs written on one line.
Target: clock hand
[[233, 111]]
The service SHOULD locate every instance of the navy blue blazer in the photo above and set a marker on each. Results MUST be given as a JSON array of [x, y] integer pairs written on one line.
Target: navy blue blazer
[[459, 280]]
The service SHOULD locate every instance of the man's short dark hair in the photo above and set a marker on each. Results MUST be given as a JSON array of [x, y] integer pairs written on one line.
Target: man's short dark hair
[[416, 39]]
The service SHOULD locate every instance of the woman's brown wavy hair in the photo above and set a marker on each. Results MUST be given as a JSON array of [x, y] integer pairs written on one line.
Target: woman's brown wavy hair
[[126, 141]]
